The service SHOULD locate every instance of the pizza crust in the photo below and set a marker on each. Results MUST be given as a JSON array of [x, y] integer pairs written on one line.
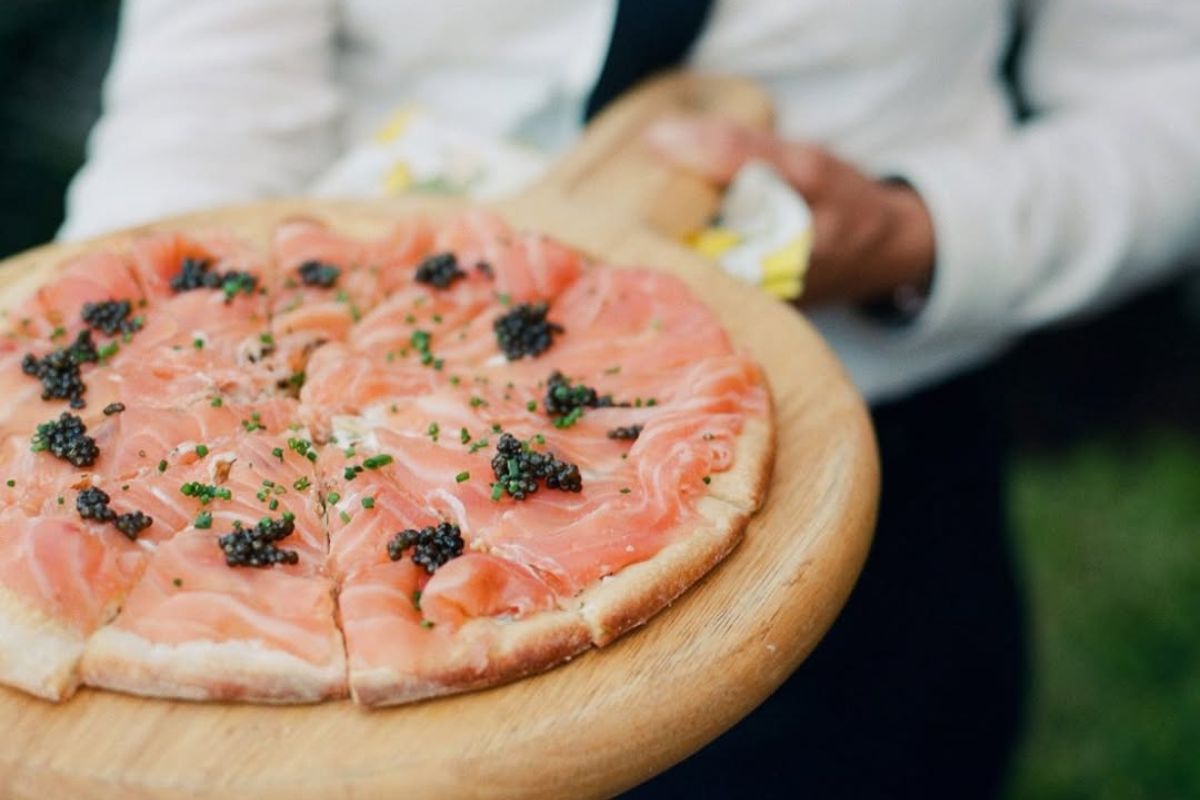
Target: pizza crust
[[201, 670], [37, 653], [486, 652], [631, 597], [745, 484]]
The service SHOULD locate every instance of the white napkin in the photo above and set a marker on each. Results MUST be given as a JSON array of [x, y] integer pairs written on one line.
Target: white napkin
[[762, 233]]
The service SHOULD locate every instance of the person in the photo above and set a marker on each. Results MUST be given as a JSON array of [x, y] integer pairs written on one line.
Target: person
[[955, 205]]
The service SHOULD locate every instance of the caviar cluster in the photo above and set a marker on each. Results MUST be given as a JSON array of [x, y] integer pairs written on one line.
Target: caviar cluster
[[58, 370], [439, 270], [198, 273], [92, 503], [525, 331], [431, 546], [255, 547], [66, 438], [317, 273], [518, 470], [111, 317], [626, 432], [562, 398]]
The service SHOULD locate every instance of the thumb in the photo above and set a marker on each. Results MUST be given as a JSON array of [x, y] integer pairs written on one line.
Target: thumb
[[712, 148]]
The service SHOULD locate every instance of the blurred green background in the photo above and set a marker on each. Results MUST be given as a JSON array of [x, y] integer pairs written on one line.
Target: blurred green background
[[1106, 491]]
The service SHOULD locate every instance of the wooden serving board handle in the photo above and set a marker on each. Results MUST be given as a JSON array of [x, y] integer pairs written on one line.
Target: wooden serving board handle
[[614, 171]]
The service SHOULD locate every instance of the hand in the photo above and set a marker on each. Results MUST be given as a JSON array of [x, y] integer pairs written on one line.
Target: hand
[[869, 237]]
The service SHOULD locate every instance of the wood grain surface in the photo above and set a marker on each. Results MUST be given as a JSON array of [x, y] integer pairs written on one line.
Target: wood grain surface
[[611, 718]]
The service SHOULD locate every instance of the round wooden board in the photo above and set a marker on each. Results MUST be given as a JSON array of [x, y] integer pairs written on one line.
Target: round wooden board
[[606, 721]]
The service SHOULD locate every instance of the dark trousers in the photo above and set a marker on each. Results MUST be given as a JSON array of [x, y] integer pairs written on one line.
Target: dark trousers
[[918, 690]]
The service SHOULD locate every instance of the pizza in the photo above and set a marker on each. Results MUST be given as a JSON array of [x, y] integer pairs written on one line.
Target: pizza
[[390, 468]]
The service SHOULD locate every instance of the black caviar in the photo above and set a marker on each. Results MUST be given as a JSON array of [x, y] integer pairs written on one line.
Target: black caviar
[[66, 438], [132, 523], [317, 273], [525, 331], [58, 370], [195, 273], [113, 408], [92, 503], [111, 317], [629, 432], [198, 273], [519, 469], [562, 398], [255, 547], [431, 546], [439, 270]]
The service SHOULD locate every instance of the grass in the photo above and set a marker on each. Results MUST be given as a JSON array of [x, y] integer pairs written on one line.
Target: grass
[[1110, 536]]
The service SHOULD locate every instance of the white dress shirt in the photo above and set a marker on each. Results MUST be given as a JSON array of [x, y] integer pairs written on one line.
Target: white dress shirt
[[1093, 196]]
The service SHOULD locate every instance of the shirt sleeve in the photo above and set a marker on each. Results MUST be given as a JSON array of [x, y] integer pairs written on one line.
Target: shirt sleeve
[[1096, 195], [208, 102]]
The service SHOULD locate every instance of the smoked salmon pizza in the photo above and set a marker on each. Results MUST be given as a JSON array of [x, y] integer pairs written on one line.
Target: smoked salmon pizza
[[391, 468]]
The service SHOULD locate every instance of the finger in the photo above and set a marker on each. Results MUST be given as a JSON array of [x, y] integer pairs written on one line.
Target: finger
[[718, 149], [712, 148]]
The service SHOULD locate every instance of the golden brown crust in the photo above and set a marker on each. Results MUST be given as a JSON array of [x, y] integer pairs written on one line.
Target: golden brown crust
[[745, 484], [247, 671], [628, 599], [486, 652], [37, 654]]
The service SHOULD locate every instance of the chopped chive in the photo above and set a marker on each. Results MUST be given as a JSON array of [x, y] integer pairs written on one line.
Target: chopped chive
[[531, 405], [203, 520], [426, 624], [707, 479], [201, 450], [464, 436], [344, 516], [277, 452], [462, 476], [198, 343], [433, 430], [416, 599], [368, 502], [301, 483], [177, 581], [375, 462], [217, 402], [332, 498], [162, 465]]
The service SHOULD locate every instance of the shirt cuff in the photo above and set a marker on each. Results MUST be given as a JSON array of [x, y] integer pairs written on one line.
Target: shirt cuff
[[973, 288]]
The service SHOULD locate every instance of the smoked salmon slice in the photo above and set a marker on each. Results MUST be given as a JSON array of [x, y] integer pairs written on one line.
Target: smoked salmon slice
[[197, 627]]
